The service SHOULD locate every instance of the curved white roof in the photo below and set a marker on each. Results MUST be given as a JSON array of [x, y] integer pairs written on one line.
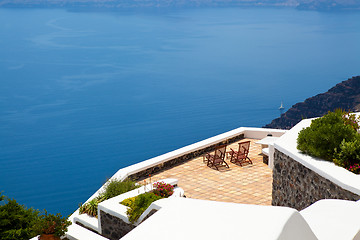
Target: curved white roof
[[184, 218]]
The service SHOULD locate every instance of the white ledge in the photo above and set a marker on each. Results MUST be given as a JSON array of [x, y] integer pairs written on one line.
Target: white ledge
[[86, 220]]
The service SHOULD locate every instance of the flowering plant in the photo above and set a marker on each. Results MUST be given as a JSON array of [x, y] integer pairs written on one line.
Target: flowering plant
[[351, 120], [162, 189], [52, 224], [355, 168]]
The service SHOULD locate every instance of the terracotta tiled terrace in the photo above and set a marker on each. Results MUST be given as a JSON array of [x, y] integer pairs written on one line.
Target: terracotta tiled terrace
[[249, 184]]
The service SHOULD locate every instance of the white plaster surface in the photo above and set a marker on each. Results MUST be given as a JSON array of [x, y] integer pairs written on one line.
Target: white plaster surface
[[267, 141], [267, 145], [332, 219], [271, 156], [265, 151], [340, 176], [76, 232], [259, 133], [90, 222], [184, 218]]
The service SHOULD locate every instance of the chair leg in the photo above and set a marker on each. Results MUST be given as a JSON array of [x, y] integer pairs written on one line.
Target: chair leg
[[214, 165], [232, 157]]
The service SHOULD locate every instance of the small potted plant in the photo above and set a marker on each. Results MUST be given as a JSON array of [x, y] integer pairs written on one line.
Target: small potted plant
[[51, 227]]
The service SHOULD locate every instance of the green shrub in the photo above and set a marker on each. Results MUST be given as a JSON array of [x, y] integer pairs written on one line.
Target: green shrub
[[90, 208], [348, 153], [127, 202], [115, 187], [140, 204], [52, 224], [325, 134], [351, 120], [16, 221], [112, 189]]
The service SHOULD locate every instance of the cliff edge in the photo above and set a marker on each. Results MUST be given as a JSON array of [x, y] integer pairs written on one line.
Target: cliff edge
[[345, 95]]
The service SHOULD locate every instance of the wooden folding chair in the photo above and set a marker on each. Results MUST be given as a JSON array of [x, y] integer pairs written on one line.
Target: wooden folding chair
[[218, 158], [241, 156]]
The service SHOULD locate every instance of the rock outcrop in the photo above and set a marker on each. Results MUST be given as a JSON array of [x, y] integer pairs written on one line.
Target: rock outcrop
[[345, 95]]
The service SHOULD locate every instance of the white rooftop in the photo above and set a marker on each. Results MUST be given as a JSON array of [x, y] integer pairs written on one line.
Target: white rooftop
[[184, 218], [334, 219]]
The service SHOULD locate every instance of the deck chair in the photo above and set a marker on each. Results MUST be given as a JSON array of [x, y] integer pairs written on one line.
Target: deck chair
[[218, 158], [240, 156]]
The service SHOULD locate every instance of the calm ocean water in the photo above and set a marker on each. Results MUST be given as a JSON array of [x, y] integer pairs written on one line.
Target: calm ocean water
[[86, 93]]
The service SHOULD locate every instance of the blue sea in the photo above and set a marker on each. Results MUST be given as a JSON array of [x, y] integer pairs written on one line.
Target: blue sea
[[84, 94]]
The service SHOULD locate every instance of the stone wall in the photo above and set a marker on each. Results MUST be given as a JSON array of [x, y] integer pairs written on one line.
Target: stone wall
[[169, 164], [113, 227], [296, 186]]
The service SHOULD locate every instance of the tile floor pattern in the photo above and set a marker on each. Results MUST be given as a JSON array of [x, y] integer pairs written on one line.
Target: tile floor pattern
[[249, 184]]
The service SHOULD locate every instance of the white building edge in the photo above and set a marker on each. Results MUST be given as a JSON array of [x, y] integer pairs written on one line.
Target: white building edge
[[183, 218]]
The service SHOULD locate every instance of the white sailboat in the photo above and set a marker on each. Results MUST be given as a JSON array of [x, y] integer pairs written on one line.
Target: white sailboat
[[281, 106]]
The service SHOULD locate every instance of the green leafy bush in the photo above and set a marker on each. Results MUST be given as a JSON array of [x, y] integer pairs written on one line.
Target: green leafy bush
[[137, 205], [52, 224], [325, 134], [112, 189], [90, 208], [333, 137], [351, 120], [348, 153], [140, 204], [127, 202], [115, 187], [16, 221]]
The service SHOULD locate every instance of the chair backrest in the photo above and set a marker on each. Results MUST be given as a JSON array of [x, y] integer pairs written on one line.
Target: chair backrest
[[220, 151], [244, 148]]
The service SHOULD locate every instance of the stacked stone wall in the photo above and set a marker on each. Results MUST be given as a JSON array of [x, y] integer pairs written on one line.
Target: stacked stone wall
[[296, 186], [113, 227]]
